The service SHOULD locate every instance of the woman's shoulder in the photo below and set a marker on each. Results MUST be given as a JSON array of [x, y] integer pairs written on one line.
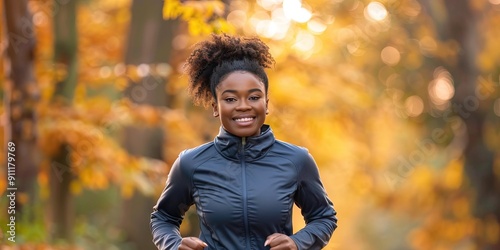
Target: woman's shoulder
[[298, 155], [195, 156], [289, 149]]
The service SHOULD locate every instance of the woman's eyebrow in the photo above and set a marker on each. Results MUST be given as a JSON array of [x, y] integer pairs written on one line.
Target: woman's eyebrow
[[235, 91]]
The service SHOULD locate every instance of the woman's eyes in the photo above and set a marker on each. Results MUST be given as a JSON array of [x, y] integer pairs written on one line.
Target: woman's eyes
[[232, 99]]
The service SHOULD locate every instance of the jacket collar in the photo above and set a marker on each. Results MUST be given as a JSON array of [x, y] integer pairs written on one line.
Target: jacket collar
[[230, 146]]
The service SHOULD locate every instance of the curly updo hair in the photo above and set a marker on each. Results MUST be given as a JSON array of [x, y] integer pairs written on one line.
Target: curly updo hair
[[212, 60]]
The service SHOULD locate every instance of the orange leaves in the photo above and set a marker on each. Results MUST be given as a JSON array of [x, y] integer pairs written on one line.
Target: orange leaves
[[95, 157]]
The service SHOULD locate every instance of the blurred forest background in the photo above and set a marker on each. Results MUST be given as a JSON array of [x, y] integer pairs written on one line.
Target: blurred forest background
[[397, 100]]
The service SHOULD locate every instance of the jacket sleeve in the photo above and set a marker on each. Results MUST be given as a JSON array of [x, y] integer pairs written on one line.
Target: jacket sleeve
[[316, 208], [169, 211]]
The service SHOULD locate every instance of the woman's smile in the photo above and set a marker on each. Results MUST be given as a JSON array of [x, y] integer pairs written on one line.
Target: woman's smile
[[241, 103]]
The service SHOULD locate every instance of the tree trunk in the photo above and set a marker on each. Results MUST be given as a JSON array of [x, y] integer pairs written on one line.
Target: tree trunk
[[149, 42], [21, 97], [462, 26], [65, 55]]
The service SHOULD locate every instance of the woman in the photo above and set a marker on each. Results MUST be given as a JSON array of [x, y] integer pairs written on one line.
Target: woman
[[245, 182]]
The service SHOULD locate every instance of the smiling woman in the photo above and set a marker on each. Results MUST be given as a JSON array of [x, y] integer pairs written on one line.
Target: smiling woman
[[241, 104], [244, 183]]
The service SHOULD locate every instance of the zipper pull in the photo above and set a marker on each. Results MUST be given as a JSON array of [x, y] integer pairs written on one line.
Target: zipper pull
[[243, 141]]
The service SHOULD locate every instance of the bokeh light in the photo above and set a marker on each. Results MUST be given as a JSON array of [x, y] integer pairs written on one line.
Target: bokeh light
[[163, 69], [304, 41], [414, 106], [237, 18], [143, 70], [294, 10], [105, 72], [269, 4], [119, 69], [316, 26], [441, 89], [390, 55], [375, 11], [180, 42]]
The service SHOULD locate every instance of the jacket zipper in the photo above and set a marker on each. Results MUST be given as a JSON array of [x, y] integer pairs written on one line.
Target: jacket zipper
[[243, 175]]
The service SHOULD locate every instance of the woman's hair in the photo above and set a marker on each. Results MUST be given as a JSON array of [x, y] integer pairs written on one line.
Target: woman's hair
[[211, 60]]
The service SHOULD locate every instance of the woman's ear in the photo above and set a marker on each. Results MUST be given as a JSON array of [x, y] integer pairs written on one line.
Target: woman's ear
[[267, 106], [215, 109]]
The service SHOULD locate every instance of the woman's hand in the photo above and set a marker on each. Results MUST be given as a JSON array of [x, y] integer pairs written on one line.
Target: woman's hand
[[192, 243], [280, 242]]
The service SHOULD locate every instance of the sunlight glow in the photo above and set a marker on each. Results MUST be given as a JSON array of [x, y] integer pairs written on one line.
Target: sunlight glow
[[304, 41], [163, 69], [441, 89], [105, 72], [119, 69], [375, 11], [237, 18], [414, 106], [180, 42], [269, 4], [259, 16], [143, 70], [294, 10], [267, 28], [275, 26], [495, 2], [40, 19], [316, 26], [390, 55], [427, 44]]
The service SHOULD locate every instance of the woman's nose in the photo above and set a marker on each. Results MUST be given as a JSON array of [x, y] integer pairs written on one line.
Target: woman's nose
[[243, 105]]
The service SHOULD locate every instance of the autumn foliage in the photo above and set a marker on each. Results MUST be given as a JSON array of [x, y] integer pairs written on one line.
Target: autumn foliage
[[407, 143]]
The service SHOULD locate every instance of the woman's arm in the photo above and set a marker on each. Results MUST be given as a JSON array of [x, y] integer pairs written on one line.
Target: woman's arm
[[316, 207], [169, 211]]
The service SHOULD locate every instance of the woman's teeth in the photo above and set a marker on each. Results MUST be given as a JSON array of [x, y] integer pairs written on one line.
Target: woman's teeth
[[246, 119]]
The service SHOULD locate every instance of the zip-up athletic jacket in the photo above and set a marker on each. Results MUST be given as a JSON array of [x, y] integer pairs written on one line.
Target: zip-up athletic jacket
[[244, 190]]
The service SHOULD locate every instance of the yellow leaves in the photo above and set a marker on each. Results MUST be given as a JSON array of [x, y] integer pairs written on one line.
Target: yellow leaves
[[203, 17], [198, 27], [93, 176], [142, 174], [440, 233], [147, 114], [95, 158], [172, 9], [192, 9], [452, 175], [127, 190], [75, 187], [489, 57], [491, 229]]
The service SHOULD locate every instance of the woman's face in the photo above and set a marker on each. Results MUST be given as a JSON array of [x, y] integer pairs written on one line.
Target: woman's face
[[241, 103]]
